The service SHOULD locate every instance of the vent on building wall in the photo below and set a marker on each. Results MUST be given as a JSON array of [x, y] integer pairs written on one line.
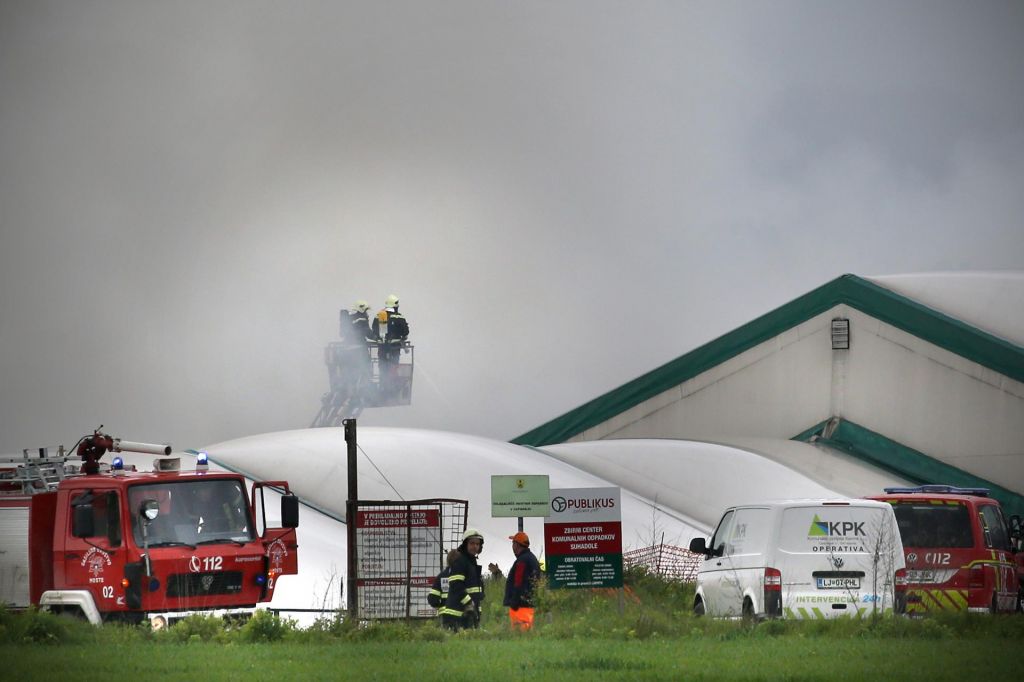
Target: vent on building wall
[[840, 333]]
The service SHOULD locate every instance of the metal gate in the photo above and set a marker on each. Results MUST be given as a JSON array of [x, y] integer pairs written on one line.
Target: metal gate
[[400, 548]]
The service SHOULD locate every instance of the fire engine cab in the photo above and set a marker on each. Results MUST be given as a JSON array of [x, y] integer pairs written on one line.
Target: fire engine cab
[[108, 542], [961, 553]]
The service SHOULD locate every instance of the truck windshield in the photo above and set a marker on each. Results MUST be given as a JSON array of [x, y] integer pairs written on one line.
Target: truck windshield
[[923, 524], [191, 513]]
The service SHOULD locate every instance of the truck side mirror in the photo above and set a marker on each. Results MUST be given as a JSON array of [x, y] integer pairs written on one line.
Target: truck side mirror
[[1015, 527], [290, 511], [698, 546], [83, 523]]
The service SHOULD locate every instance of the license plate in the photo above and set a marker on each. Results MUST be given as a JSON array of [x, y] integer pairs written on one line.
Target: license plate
[[921, 576], [838, 583]]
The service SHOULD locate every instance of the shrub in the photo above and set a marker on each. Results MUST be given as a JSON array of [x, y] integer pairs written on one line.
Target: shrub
[[197, 627], [265, 626], [41, 627]]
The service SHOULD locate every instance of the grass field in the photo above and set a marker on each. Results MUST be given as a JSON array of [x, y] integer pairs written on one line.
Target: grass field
[[579, 635], [460, 658]]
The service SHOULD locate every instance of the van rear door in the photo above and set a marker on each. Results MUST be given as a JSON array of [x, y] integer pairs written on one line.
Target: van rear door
[[838, 559]]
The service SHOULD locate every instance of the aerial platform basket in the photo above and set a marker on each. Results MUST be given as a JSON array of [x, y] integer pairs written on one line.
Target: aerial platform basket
[[359, 378]]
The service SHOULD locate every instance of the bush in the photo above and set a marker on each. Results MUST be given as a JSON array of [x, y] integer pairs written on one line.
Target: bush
[[197, 627], [265, 626], [40, 627]]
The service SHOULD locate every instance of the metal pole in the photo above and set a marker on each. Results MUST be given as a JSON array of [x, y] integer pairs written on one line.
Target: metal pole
[[350, 515]]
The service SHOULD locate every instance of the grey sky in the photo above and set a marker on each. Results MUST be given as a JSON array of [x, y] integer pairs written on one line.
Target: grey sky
[[565, 195]]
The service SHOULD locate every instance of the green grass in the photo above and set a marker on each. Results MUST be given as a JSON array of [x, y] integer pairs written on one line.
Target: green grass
[[467, 658], [590, 635]]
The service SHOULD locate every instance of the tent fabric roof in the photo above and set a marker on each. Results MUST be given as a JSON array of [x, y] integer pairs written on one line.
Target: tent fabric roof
[[700, 479], [990, 301], [410, 464], [975, 344]]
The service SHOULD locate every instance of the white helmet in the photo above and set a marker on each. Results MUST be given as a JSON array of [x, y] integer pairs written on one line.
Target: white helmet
[[472, 533], [362, 306], [391, 301]]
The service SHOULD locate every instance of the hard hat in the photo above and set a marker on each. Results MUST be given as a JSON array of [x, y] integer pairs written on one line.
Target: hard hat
[[362, 306], [391, 301], [520, 537], [472, 533]]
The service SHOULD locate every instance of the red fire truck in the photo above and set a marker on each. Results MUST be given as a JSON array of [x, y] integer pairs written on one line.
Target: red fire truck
[[108, 542], [961, 553]]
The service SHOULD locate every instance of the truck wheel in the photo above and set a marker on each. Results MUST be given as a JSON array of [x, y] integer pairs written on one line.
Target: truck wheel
[[698, 607], [71, 613], [748, 610]]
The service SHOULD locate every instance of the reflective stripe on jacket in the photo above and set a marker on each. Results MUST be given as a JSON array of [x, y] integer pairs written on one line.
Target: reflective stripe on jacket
[[465, 585]]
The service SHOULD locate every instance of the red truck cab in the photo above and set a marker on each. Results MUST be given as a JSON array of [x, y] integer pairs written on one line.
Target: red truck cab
[[959, 550], [121, 544]]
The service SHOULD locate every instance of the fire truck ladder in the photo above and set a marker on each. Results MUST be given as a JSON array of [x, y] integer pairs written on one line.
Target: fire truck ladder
[[336, 407], [359, 381], [41, 473]]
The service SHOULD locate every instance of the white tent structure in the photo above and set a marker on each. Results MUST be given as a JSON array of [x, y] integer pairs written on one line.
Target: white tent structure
[[672, 490], [700, 479]]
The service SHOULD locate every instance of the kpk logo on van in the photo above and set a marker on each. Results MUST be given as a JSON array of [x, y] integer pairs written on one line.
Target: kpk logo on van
[[843, 529]]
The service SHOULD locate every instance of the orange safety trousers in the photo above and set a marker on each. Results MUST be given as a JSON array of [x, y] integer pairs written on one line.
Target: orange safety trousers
[[521, 618]]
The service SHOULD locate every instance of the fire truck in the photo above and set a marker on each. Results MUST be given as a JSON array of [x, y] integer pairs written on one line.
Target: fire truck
[[962, 554], [110, 542]]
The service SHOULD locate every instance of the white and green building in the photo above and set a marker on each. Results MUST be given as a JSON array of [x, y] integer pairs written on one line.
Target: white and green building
[[860, 382]]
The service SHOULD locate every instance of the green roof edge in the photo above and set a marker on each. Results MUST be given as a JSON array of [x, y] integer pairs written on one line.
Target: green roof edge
[[878, 302], [885, 453]]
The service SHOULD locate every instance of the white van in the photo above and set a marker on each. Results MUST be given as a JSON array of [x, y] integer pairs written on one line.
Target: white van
[[802, 559]]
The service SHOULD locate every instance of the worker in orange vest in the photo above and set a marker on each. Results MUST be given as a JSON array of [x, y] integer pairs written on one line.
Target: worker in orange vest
[[522, 579]]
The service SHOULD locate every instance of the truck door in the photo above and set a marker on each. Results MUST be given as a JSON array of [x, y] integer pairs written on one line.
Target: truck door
[[94, 557], [997, 541], [277, 533]]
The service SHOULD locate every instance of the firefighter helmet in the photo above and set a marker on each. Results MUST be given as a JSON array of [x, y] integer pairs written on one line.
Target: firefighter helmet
[[362, 306], [391, 301], [473, 533]]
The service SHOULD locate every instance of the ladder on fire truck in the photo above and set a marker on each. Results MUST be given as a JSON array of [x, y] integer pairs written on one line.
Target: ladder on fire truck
[[35, 473], [358, 380]]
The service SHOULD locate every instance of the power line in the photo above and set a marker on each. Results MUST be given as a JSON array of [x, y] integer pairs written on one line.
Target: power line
[[379, 471]]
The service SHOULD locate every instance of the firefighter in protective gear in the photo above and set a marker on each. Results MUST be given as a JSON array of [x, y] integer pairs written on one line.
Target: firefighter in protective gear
[[349, 363], [465, 585], [439, 590], [391, 331], [359, 322]]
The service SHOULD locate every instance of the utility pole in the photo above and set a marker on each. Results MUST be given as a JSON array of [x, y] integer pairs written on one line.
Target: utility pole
[[350, 515]]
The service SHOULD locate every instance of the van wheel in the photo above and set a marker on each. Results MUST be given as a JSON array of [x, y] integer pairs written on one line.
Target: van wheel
[[748, 610], [698, 607]]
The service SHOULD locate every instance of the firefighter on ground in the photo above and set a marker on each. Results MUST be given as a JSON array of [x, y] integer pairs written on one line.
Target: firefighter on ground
[[465, 585], [391, 331], [522, 579], [439, 590]]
